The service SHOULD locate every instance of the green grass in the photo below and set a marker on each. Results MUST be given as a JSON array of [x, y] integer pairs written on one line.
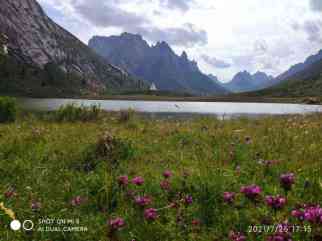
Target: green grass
[[52, 162]]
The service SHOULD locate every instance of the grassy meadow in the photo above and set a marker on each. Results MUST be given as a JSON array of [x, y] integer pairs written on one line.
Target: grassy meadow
[[123, 177]]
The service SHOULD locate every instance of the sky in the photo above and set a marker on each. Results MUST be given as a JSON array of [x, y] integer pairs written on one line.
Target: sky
[[223, 36]]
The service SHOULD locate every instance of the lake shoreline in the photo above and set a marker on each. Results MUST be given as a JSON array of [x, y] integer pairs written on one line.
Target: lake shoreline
[[239, 99]]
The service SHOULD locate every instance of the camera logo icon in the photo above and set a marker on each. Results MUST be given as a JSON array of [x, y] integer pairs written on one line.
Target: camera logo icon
[[27, 225]]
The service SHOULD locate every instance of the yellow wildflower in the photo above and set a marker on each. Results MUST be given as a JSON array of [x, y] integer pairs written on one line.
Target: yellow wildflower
[[8, 211]]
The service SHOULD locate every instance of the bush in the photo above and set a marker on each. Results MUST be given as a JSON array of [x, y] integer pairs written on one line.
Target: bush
[[126, 115], [8, 109], [112, 148], [73, 113]]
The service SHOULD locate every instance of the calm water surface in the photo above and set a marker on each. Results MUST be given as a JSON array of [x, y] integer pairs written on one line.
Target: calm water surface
[[173, 107]]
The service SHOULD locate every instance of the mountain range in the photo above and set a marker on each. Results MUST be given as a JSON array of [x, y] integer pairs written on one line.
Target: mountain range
[[158, 64], [40, 58], [46, 59], [303, 79]]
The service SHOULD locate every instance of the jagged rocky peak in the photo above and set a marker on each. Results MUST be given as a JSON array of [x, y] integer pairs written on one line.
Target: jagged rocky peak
[[245, 81], [163, 46], [242, 76], [131, 36], [158, 64], [184, 55]]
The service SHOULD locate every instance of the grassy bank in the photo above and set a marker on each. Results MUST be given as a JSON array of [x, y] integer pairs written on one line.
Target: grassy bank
[[79, 171]]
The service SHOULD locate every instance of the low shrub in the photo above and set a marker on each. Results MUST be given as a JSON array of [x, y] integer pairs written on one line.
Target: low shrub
[[74, 113], [8, 109], [126, 115], [113, 149], [109, 149]]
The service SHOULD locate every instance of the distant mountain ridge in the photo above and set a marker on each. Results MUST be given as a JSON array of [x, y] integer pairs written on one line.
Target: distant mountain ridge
[[244, 82], [301, 80], [41, 50], [295, 71], [158, 64]]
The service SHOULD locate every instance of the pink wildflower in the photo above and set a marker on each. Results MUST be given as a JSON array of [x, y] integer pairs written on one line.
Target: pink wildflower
[[123, 180], [150, 214], [138, 181], [143, 201], [167, 174], [229, 197], [116, 224]]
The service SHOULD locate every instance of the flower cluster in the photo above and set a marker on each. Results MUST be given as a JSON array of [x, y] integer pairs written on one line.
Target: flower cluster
[[287, 180], [282, 233], [151, 214], [167, 174], [138, 181], [165, 185], [252, 192], [116, 224], [312, 214], [236, 236], [123, 180], [280, 237], [143, 201], [277, 202], [77, 201]]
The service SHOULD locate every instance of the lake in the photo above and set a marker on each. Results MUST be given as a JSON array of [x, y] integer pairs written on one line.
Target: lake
[[176, 107]]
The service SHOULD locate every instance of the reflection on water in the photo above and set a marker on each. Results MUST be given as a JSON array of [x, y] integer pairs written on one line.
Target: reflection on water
[[181, 108]]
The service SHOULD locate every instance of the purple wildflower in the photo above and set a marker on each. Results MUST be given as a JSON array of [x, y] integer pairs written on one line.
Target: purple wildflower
[[229, 197], [251, 192], [130, 193], [167, 174], [282, 233], [77, 201], [35, 206], [10, 193], [165, 185], [188, 200], [123, 180], [150, 214], [298, 214], [313, 214], [279, 237], [143, 201], [275, 202], [236, 236], [116, 224], [287, 180], [138, 181]]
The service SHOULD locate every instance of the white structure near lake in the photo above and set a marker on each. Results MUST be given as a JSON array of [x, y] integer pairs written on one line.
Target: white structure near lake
[[3, 44], [5, 49], [153, 87]]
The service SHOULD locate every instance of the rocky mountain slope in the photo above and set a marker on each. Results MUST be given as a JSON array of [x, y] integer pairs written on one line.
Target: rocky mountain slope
[[303, 70], [244, 81], [37, 44], [158, 64], [305, 83], [301, 80], [215, 79]]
